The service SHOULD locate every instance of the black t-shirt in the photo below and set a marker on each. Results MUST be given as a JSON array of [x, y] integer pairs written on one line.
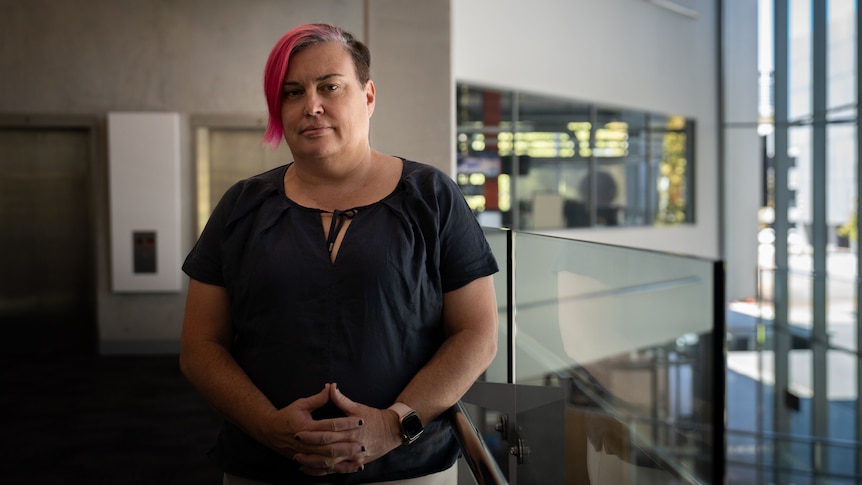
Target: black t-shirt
[[368, 321]]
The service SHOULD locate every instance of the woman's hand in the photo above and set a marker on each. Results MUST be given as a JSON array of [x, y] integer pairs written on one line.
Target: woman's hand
[[334, 446], [281, 431]]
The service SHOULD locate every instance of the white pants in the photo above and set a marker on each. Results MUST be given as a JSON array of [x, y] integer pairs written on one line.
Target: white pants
[[446, 477]]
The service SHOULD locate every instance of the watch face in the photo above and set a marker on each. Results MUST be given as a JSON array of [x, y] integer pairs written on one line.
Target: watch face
[[412, 426]]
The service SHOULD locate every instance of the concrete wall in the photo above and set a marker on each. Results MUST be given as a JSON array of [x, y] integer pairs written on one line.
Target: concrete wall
[[190, 56], [412, 66], [206, 57]]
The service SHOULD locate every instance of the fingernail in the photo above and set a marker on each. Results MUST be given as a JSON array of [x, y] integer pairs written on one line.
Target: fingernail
[[360, 423], [297, 437], [363, 449], [361, 467]]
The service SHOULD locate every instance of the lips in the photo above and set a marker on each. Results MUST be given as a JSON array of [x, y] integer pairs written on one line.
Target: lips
[[315, 130]]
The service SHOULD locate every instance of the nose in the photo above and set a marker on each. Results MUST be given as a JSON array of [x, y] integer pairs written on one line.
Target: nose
[[313, 105]]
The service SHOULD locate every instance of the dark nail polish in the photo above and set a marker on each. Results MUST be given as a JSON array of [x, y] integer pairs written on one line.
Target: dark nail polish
[[363, 449], [360, 423], [297, 438]]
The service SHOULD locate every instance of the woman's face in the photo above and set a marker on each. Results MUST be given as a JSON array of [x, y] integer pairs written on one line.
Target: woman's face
[[325, 110]]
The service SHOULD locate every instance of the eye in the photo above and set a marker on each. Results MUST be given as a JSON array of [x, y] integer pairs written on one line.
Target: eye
[[291, 93], [330, 87]]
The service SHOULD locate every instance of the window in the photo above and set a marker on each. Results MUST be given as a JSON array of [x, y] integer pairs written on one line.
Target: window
[[535, 162]]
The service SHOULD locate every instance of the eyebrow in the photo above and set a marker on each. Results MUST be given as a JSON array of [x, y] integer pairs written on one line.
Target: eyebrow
[[319, 79]]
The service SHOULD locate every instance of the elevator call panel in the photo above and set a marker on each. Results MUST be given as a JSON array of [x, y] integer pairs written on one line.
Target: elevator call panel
[[144, 251]]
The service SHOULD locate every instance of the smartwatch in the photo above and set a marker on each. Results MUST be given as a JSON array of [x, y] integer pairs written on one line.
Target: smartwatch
[[411, 426]]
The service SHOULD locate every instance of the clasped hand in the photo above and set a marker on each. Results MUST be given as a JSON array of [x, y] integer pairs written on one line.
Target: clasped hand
[[337, 445]]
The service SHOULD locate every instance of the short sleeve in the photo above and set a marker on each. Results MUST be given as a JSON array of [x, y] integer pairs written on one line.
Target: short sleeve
[[465, 252], [204, 262]]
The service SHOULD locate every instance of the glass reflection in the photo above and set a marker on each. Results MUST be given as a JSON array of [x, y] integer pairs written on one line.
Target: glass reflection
[[527, 161], [625, 336]]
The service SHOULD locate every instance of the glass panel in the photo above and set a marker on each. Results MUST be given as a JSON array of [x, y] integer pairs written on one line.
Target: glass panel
[[621, 178], [841, 306], [670, 148], [637, 177], [628, 335], [485, 178], [841, 206], [498, 240], [527, 161], [842, 320], [833, 456], [794, 454], [554, 136], [841, 52], [839, 453], [799, 402], [804, 449], [749, 414], [798, 237], [799, 60]]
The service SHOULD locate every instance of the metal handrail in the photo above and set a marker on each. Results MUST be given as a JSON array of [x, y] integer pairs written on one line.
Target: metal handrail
[[485, 469]]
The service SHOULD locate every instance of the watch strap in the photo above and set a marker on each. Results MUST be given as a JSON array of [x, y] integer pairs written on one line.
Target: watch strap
[[408, 421], [401, 410]]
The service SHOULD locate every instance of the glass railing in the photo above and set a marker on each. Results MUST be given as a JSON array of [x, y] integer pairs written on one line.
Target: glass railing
[[610, 366]]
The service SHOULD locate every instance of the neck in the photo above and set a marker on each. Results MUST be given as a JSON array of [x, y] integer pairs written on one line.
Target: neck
[[334, 169], [331, 184]]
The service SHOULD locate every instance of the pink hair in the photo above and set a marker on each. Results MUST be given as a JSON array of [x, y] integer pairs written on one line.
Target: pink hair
[[279, 59]]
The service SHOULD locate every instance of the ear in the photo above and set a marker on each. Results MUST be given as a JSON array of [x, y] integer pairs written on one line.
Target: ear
[[370, 97]]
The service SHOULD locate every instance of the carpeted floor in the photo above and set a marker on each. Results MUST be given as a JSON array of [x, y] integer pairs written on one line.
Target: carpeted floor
[[103, 420]]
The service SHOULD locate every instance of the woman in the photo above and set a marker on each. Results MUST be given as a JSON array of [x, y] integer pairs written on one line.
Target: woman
[[338, 304]]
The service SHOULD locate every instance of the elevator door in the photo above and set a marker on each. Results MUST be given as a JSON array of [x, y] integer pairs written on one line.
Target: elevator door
[[47, 277], [226, 155]]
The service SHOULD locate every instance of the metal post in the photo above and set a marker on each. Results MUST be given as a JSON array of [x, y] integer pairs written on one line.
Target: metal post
[[782, 201], [819, 165], [592, 202], [516, 165], [858, 254]]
